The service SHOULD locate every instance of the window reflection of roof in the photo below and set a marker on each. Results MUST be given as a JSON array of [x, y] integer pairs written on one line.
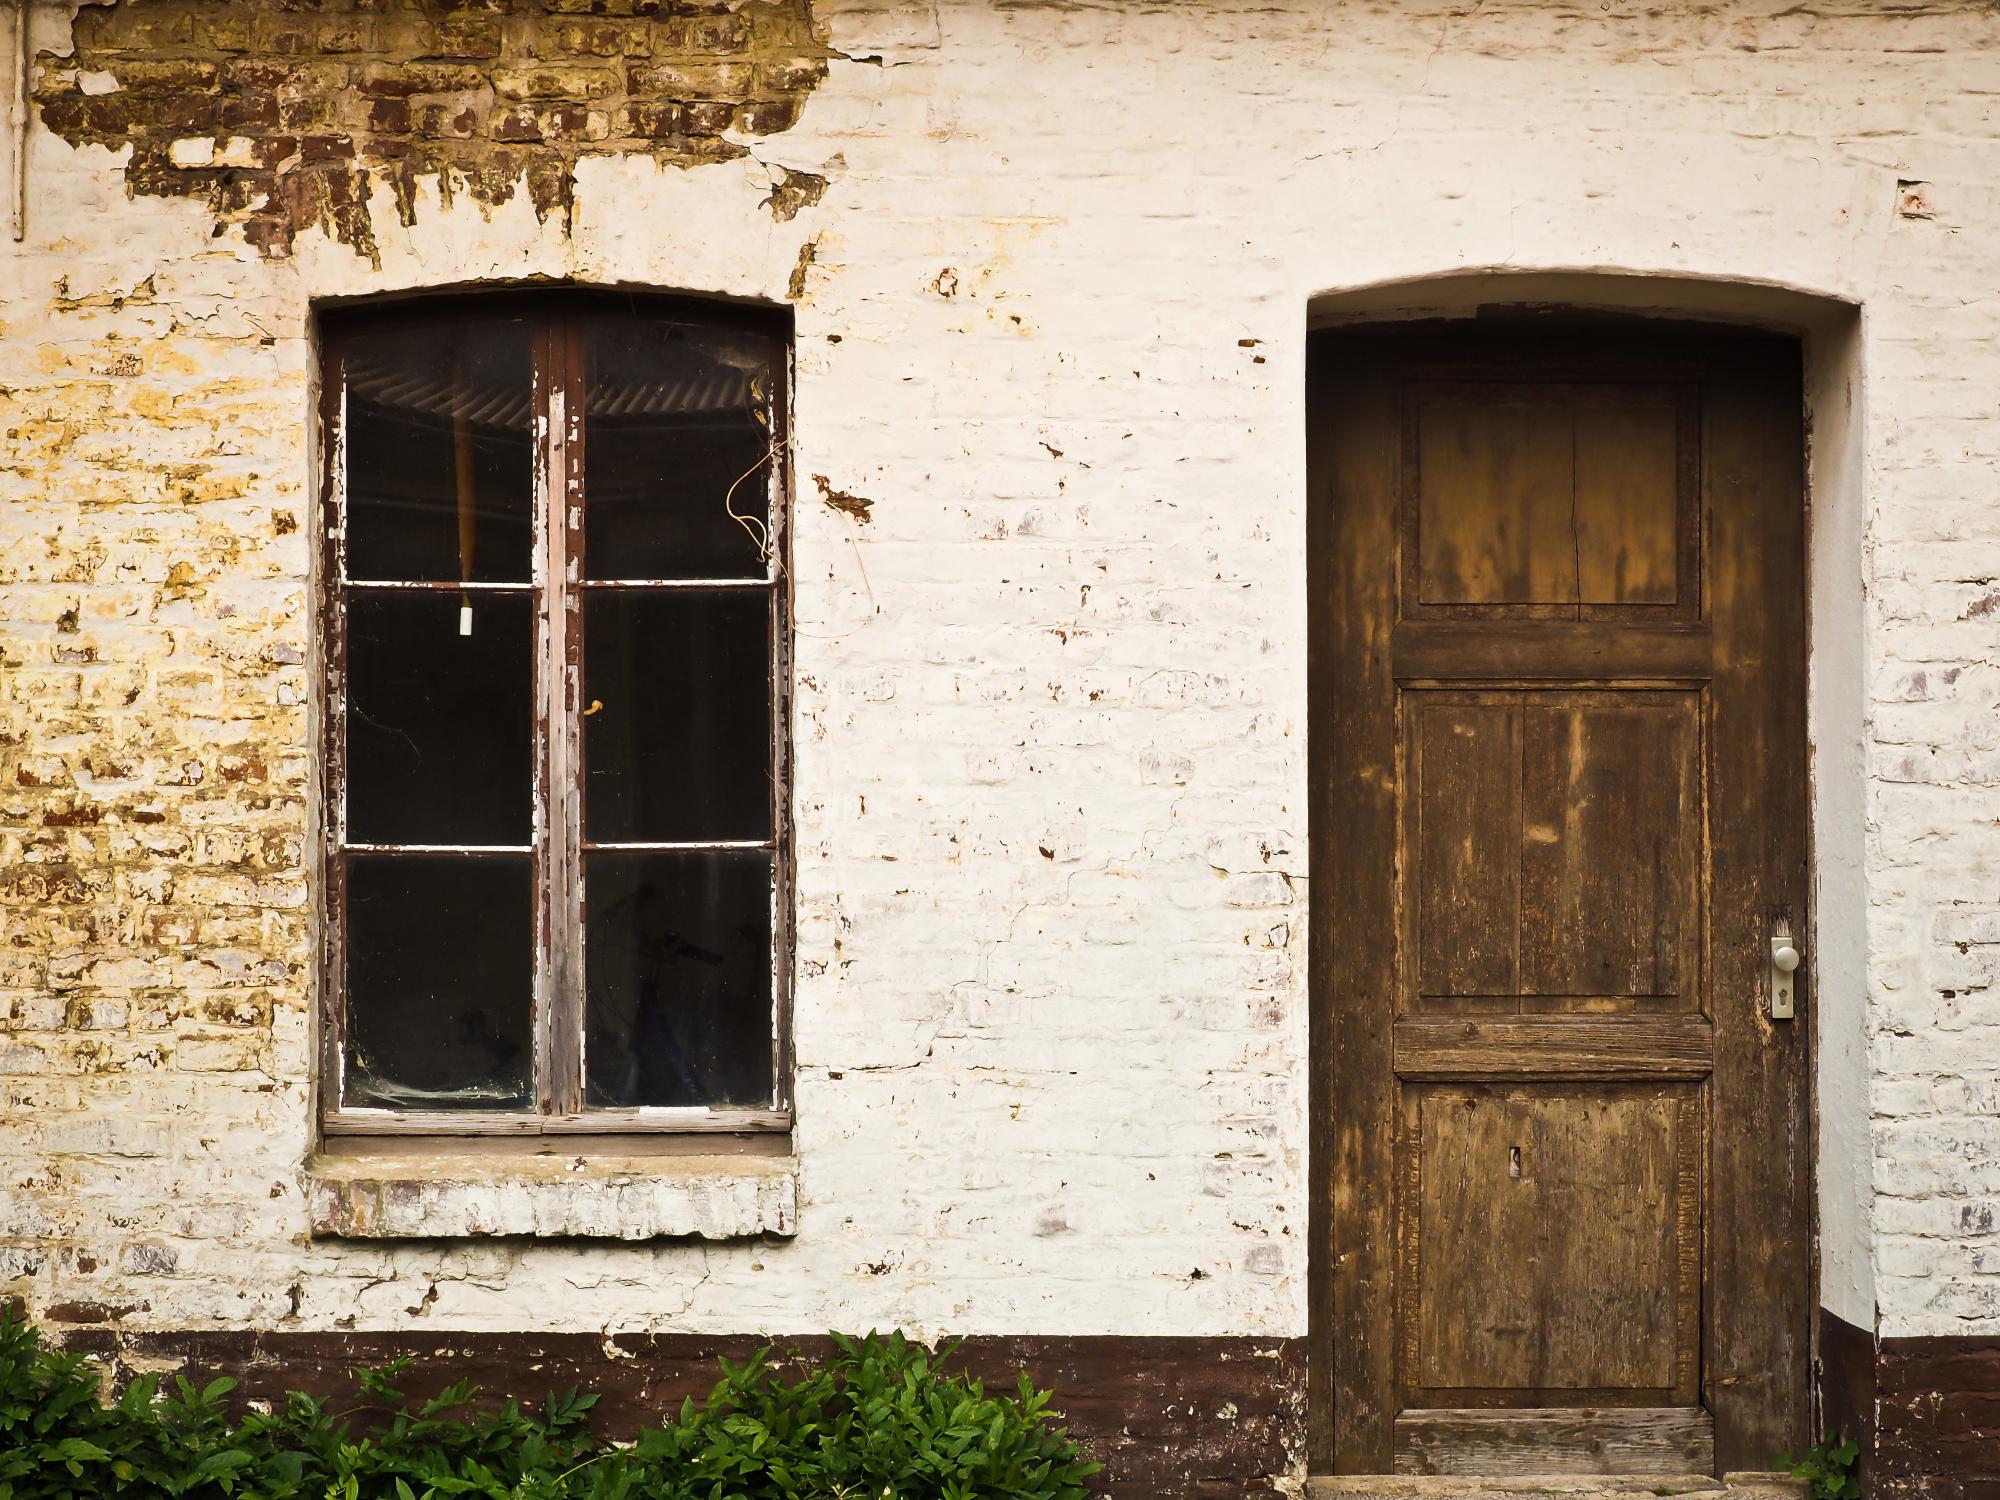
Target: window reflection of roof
[[709, 391]]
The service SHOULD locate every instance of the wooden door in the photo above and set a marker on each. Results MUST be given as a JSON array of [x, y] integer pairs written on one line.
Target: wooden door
[[1559, 770]]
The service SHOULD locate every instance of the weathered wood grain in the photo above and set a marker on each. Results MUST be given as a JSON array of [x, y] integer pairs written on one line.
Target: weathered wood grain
[[1598, 1046], [1465, 797], [1760, 1250], [1495, 502], [1624, 1440], [1547, 494], [1609, 858], [1628, 495], [1547, 855], [1549, 1216], [1352, 460], [1565, 650]]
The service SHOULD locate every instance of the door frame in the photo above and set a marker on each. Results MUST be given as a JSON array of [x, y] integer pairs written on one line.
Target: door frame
[[1535, 319]]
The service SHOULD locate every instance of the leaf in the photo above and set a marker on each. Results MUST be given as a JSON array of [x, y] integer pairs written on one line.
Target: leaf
[[74, 1448], [880, 1416]]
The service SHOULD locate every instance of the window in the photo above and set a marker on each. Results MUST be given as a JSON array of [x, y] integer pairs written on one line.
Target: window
[[556, 691]]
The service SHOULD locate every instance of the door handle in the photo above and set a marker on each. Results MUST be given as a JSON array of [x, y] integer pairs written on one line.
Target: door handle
[[1784, 963]]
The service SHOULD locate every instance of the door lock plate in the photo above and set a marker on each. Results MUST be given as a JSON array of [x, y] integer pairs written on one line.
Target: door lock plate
[[1784, 965]]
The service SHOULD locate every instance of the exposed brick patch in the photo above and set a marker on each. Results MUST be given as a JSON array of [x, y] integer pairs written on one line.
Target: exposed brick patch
[[794, 191], [285, 117]]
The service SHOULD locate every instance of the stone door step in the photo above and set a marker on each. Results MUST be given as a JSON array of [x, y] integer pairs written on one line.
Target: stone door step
[[1742, 1486]]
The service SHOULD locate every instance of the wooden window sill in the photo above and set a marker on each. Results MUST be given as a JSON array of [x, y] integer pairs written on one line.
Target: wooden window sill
[[583, 1190]]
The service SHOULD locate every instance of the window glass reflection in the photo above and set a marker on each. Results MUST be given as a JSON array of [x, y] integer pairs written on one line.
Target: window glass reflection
[[440, 697], [439, 981], [677, 958], [678, 437], [677, 743], [440, 451]]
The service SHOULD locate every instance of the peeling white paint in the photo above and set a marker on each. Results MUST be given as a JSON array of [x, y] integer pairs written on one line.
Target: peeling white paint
[[1048, 1062]]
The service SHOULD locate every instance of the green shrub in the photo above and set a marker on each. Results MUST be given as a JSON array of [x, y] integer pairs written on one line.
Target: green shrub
[[880, 1418], [1827, 1468]]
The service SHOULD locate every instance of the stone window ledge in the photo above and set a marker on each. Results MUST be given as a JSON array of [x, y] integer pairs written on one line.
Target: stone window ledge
[[397, 1193]]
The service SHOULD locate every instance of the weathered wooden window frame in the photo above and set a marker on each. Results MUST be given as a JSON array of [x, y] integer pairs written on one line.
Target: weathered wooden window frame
[[558, 845]]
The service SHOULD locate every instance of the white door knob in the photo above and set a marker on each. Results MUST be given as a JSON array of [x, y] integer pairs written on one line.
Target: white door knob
[[1785, 958]]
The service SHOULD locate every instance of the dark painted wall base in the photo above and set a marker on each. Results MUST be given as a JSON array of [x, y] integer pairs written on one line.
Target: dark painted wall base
[[1926, 1411], [1188, 1418], [1170, 1418]]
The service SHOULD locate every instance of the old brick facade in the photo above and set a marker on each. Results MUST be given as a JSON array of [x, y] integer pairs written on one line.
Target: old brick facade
[[1052, 268], [287, 116]]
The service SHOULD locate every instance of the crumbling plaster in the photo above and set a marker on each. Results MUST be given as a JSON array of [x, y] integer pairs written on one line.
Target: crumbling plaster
[[285, 116], [1051, 304]]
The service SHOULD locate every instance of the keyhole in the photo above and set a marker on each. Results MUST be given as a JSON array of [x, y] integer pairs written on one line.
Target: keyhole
[[1513, 1161]]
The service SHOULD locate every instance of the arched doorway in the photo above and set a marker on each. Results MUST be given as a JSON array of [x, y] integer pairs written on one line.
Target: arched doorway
[[1563, 1214]]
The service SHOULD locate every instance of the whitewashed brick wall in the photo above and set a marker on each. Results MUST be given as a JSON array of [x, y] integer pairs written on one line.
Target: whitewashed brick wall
[[1051, 716]]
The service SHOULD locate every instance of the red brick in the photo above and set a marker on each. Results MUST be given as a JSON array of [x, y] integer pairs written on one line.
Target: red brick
[[304, 114], [710, 116], [287, 36], [224, 30], [592, 39], [249, 111], [182, 114], [346, 36], [691, 80], [554, 82], [448, 122], [653, 120], [325, 88], [467, 36], [720, 34], [793, 74], [321, 148], [768, 116], [257, 73], [400, 80], [138, 30], [168, 75], [514, 125]]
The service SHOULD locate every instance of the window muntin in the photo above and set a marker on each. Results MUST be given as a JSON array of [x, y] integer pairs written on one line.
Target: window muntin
[[556, 692]]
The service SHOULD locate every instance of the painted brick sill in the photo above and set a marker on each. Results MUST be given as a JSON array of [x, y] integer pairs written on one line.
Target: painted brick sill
[[399, 1195]]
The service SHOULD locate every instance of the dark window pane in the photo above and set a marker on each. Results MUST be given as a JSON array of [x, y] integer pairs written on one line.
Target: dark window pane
[[677, 961], [438, 722], [675, 416], [439, 981], [440, 451], [677, 742]]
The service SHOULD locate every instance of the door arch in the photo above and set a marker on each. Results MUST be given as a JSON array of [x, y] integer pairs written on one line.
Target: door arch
[[1554, 563]]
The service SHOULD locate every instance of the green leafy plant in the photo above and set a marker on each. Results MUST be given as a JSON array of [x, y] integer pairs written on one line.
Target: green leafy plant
[[1827, 1468], [880, 1418]]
